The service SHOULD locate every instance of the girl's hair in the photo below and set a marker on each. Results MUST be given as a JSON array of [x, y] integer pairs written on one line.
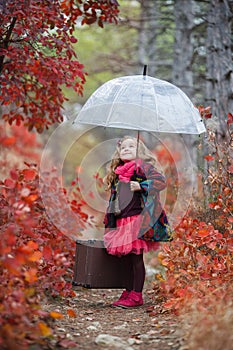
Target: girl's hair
[[142, 152]]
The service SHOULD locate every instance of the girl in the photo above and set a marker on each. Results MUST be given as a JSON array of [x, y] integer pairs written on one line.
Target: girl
[[135, 221]]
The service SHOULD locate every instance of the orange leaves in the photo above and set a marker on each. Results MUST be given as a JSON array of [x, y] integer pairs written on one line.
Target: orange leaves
[[44, 329], [31, 198], [32, 245], [56, 315], [31, 275], [203, 232], [71, 313], [35, 256]]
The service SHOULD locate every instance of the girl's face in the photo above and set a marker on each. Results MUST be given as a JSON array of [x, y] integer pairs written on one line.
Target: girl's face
[[128, 150]]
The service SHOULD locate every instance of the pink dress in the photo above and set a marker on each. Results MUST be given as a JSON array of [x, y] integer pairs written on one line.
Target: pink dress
[[124, 239]]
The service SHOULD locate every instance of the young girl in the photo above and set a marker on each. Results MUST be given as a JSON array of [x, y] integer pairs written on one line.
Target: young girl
[[135, 221]]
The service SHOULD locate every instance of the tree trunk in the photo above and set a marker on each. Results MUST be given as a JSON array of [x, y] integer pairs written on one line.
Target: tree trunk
[[182, 74], [219, 86], [184, 46], [147, 35]]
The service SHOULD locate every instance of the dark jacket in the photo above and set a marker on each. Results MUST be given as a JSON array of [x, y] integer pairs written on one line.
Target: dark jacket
[[154, 226]]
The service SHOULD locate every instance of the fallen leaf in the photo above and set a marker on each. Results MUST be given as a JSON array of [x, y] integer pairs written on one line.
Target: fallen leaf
[[66, 343], [71, 313], [56, 314], [45, 330]]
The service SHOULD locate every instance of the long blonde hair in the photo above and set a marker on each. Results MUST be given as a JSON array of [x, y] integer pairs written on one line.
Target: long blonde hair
[[142, 152]]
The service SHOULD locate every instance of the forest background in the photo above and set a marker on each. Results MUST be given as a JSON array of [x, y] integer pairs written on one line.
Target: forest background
[[188, 43]]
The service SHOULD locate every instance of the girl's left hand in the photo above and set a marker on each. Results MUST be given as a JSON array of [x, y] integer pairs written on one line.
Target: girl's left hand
[[135, 186]]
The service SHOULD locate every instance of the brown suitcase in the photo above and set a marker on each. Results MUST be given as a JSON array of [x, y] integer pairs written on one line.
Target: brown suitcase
[[95, 268]]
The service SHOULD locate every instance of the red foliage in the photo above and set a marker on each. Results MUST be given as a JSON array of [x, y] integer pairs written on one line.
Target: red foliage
[[168, 162], [36, 260], [205, 112], [36, 60], [199, 265], [18, 145], [91, 11], [199, 261], [37, 57]]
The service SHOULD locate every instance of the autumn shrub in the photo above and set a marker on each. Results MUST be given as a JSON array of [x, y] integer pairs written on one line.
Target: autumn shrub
[[36, 259], [198, 263], [17, 145], [198, 266]]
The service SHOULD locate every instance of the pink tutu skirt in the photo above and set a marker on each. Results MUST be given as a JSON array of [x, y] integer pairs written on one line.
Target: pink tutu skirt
[[124, 239]]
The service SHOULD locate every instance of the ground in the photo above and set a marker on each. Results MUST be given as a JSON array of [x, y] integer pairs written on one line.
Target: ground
[[96, 323]]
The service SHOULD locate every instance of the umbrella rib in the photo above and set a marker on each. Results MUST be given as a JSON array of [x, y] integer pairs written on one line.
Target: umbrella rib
[[112, 105], [156, 109]]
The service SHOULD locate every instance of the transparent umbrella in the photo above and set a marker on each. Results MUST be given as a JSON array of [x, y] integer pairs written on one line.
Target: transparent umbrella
[[141, 102]]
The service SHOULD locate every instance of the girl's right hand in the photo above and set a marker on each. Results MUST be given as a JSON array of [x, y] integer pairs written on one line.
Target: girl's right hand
[[134, 186]]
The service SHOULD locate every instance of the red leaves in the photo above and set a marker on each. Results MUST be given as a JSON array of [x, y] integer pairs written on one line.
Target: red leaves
[[198, 260], [35, 256], [229, 118], [29, 174], [9, 183], [8, 141], [208, 158], [34, 71], [205, 112], [91, 11], [47, 253], [230, 169], [71, 313]]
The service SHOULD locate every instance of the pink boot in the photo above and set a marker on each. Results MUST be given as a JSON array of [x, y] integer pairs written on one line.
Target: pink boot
[[123, 296], [134, 299]]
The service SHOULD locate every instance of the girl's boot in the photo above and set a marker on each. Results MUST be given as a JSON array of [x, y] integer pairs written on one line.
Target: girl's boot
[[123, 296], [134, 299]]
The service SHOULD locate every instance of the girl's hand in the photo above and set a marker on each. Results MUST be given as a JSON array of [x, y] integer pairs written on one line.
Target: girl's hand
[[135, 186]]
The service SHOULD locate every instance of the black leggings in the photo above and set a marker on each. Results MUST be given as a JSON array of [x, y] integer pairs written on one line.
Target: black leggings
[[138, 272]]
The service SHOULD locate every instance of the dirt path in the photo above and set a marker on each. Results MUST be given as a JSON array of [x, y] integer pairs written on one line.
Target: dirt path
[[97, 324]]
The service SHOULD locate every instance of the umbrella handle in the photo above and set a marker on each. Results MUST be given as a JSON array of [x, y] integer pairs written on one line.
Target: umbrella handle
[[144, 75], [137, 151]]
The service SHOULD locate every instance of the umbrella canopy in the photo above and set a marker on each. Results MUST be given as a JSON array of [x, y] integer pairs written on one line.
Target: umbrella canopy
[[141, 102]]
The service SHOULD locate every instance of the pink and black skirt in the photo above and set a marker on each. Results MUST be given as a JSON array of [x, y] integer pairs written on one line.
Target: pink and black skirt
[[124, 239]]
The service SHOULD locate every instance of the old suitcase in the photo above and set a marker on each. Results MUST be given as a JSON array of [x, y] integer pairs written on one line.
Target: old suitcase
[[95, 268]]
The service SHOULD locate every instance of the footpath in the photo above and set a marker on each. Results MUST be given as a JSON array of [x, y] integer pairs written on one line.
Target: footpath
[[96, 325]]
